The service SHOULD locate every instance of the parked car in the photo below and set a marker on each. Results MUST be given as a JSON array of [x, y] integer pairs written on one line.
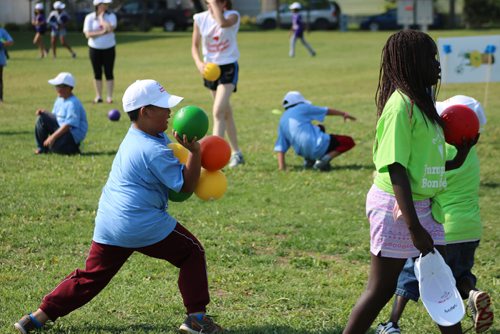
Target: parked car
[[321, 15], [389, 21], [159, 13]]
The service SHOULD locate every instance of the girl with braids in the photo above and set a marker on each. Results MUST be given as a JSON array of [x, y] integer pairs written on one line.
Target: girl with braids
[[409, 155]]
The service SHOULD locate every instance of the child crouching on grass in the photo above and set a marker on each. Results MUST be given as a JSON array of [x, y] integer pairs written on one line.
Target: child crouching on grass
[[132, 216], [308, 140]]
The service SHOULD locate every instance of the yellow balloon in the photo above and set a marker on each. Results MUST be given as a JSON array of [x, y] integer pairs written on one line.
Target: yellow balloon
[[211, 185], [211, 72], [180, 152]]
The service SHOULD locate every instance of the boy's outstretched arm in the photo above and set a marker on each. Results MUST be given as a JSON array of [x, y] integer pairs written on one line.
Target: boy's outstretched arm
[[345, 115], [191, 172], [281, 161]]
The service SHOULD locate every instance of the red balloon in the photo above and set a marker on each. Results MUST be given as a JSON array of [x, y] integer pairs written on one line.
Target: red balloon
[[215, 153], [459, 122]]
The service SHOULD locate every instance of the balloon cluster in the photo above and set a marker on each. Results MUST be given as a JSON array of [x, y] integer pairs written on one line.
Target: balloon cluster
[[215, 154]]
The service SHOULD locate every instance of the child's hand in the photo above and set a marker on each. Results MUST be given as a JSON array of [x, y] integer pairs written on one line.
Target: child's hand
[[193, 146], [348, 116], [422, 240]]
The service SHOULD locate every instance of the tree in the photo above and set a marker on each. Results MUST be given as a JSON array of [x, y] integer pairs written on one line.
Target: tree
[[480, 12]]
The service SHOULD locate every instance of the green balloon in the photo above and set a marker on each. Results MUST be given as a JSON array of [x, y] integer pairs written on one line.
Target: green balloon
[[178, 197], [191, 121]]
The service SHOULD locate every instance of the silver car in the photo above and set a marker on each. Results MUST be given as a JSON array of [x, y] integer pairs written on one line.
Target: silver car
[[322, 15]]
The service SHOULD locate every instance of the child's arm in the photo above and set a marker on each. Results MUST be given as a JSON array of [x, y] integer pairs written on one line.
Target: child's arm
[[281, 161], [218, 12], [335, 112], [191, 171], [462, 152], [195, 49], [402, 190]]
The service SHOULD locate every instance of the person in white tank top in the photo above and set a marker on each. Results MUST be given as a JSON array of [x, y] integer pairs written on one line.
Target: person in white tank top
[[215, 30]]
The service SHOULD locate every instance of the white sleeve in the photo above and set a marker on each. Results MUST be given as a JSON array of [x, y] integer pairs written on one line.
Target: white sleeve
[[87, 24], [112, 20]]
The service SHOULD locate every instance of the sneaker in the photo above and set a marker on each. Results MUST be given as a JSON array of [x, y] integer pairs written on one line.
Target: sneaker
[[479, 304], [27, 324], [387, 327], [195, 324], [323, 164], [236, 159], [308, 163], [73, 55]]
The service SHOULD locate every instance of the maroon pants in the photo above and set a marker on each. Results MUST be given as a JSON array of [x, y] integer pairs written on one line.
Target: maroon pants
[[180, 248]]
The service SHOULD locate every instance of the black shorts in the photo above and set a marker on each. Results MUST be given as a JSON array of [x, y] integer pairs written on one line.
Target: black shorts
[[228, 75], [334, 143]]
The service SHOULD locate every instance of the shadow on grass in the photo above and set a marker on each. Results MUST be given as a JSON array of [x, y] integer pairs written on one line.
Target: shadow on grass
[[76, 39], [16, 133], [92, 153], [333, 169], [492, 185], [148, 328]]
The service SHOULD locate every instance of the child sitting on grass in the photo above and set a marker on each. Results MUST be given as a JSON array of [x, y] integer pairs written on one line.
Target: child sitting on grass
[[308, 140], [132, 216]]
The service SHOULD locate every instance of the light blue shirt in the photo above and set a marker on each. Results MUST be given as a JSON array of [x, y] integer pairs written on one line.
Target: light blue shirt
[[4, 36], [296, 130], [132, 209], [70, 111]]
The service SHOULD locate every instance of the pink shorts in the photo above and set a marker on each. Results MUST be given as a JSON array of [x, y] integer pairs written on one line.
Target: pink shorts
[[389, 234]]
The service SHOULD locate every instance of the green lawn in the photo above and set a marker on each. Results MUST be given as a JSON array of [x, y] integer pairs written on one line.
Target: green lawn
[[287, 252]]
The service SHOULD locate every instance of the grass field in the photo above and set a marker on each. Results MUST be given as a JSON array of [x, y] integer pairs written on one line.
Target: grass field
[[287, 252]]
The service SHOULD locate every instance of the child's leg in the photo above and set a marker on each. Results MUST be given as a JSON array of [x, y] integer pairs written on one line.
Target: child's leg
[[53, 44], [293, 41], [79, 287], [45, 125], [184, 251], [382, 281], [223, 115], [308, 46], [407, 289], [62, 38]]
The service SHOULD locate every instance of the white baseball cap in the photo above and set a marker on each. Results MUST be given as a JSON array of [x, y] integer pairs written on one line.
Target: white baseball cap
[[466, 101], [437, 289], [98, 2], [63, 78], [39, 6], [148, 92], [292, 98], [59, 5], [295, 5]]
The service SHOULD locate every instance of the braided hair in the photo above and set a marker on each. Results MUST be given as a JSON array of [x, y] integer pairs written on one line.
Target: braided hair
[[409, 64]]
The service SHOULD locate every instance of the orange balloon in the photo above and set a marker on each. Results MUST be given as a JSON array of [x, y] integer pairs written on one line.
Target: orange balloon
[[211, 185], [215, 153], [180, 152]]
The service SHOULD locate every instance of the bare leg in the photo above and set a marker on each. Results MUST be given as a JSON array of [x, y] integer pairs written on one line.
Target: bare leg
[[98, 89], [66, 45], [397, 308], [381, 285], [53, 45], [223, 115], [110, 84]]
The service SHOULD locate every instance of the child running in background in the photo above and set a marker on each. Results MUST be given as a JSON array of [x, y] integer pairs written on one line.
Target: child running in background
[[409, 143], [297, 30], [58, 19], [40, 24], [308, 140], [132, 216], [457, 207]]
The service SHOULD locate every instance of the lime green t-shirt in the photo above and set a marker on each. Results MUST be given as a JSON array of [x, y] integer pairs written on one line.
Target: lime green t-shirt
[[415, 143], [457, 207]]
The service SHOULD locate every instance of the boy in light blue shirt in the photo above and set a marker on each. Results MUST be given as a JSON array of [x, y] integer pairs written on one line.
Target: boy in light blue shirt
[[133, 217], [65, 128], [308, 140]]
